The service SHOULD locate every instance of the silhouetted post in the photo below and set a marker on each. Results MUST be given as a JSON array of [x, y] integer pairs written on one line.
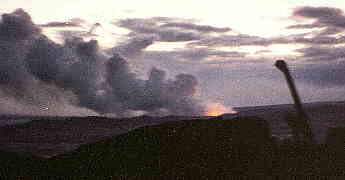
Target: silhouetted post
[[302, 115]]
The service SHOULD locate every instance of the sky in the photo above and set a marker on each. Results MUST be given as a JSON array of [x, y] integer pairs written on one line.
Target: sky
[[126, 58]]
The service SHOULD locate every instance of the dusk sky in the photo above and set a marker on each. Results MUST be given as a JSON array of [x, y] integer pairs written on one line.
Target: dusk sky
[[148, 54]]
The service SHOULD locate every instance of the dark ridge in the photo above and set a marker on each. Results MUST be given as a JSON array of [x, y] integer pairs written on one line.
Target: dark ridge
[[214, 148], [49, 136], [183, 149]]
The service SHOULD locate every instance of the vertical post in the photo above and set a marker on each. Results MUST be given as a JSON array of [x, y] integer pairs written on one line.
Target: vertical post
[[303, 117]]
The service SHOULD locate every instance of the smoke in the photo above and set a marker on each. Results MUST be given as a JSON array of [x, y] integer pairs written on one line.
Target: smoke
[[41, 77]]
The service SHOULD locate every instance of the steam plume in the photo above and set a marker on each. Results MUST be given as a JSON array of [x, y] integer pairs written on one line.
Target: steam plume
[[35, 72]]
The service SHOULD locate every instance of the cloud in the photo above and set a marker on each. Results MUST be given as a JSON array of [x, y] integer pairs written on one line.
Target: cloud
[[195, 54], [16, 31], [331, 31], [75, 27], [17, 26], [141, 27], [70, 34], [132, 47], [329, 21], [77, 75], [76, 22], [168, 29], [323, 46], [320, 38], [21, 92], [326, 54], [154, 94], [200, 28], [324, 16], [304, 26], [234, 41], [325, 64]]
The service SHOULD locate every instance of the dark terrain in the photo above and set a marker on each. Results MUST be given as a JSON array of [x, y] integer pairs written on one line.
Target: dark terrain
[[50, 136], [202, 148]]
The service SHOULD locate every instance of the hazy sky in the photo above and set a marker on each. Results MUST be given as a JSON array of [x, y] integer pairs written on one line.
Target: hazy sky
[[229, 46]]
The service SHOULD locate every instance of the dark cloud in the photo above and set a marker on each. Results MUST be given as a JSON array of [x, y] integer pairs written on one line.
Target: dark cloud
[[330, 31], [70, 34], [201, 54], [19, 88], [35, 69], [321, 40], [189, 59], [16, 31], [155, 94], [60, 24], [149, 27], [323, 53], [166, 29], [17, 26], [132, 47], [238, 40], [323, 15], [75, 22], [325, 63], [305, 26], [329, 21], [246, 40], [171, 19], [200, 28], [325, 67], [82, 31]]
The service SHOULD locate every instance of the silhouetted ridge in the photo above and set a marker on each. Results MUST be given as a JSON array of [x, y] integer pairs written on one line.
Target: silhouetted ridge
[[212, 148], [178, 149]]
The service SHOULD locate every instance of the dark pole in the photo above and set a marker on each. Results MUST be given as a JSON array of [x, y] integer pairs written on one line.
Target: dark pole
[[282, 66]]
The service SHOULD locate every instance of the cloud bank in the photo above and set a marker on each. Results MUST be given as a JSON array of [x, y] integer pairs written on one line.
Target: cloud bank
[[79, 78]]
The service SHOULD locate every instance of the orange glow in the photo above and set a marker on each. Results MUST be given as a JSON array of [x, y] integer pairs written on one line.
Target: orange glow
[[216, 109]]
